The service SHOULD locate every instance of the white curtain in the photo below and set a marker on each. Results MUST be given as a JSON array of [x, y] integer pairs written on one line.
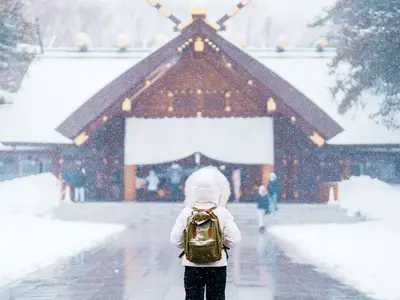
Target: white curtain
[[230, 140]]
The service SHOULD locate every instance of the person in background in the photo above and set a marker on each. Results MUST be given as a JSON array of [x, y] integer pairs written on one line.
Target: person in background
[[67, 180], [175, 176], [262, 206], [273, 189], [152, 182], [79, 184]]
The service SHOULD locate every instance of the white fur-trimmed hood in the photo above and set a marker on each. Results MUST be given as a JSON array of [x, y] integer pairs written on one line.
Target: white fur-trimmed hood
[[207, 185]]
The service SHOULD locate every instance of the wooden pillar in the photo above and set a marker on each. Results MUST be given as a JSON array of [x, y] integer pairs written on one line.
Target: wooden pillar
[[130, 183], [347, 168], [266, 170], [336, 192]]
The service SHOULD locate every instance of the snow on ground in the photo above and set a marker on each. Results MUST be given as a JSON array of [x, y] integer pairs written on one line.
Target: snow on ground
[[365, 255], [30, 236]]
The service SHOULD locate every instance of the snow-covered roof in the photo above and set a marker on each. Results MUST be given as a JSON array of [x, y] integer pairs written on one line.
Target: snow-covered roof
[[309, 74], [57, 83], [21, 148], [53, 88]]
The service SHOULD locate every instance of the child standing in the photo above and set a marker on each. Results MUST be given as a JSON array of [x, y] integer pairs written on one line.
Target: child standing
[[206, 194], [262, 206]]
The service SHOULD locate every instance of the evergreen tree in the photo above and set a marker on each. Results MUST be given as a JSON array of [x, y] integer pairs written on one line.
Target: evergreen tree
[[14, 29], [369, 43]]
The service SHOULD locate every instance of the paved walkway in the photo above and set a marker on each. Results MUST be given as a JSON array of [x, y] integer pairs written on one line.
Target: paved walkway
[[140, 263]]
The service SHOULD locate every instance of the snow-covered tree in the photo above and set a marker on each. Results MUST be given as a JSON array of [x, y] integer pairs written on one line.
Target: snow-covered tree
[[15, 29], [369, 44]]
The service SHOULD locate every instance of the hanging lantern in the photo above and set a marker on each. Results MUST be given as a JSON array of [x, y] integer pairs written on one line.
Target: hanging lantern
[[81, 139], [199, 45], [228, 107], [127, 105], [271, 105], [317, 139]]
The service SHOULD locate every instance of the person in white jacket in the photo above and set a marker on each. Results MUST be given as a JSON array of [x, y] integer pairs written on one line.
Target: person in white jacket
[[204, 189]]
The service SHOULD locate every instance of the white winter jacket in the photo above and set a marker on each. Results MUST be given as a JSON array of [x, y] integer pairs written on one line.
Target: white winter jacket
[[204, 189]]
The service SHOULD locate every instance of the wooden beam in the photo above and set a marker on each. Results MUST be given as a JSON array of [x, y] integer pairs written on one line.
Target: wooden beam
[[130, 183], [266, 170]]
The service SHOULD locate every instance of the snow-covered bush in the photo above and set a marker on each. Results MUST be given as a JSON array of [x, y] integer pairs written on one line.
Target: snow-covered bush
[[369, 197]]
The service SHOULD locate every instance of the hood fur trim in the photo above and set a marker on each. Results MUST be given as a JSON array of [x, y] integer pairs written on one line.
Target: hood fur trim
[[207, 185]]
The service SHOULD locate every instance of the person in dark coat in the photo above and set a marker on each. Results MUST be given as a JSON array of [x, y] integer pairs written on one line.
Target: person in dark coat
[[262, 206], [273, 189], [79, 184], [175, 175]]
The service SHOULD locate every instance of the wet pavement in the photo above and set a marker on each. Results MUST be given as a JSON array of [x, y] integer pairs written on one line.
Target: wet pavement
[[140, 263]]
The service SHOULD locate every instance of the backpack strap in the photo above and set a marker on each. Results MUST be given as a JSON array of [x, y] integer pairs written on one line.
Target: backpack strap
[[226, 251]]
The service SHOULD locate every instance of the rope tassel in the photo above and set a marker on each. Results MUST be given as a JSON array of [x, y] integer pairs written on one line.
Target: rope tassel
[[210, 229], [194, 231]]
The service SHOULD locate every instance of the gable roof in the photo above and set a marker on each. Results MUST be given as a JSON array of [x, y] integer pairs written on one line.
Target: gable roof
[[56, 85], [117, 89], [122, 86], [292, 97]]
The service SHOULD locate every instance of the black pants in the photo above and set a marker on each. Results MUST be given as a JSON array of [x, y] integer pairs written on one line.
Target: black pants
[[213, 278]]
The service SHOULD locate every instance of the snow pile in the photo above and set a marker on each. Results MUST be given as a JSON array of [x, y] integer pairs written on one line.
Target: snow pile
[[29, 243], [364, 254], [371, 198], [35, 195], [29, 238]]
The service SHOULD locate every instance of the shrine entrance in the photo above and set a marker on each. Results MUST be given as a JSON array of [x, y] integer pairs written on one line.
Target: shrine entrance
[[201, 94], [244, 179]]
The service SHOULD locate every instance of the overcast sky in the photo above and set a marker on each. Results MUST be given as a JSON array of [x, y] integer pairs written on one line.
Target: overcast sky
[[103, 20]]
